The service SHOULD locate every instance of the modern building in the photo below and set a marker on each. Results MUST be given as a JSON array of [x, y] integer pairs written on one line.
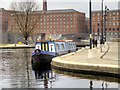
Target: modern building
[[111, 24]]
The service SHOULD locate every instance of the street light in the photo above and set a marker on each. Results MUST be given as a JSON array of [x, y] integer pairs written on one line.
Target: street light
[[90, 26], [101, 40], [105, 19]]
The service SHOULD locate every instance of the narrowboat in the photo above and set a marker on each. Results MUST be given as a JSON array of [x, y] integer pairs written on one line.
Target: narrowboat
[[45, 51]]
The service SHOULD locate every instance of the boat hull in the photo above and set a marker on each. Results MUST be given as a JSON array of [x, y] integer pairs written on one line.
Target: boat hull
[[41, 59]]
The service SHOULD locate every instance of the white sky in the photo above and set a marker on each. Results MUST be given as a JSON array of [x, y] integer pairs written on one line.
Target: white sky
[[79, 5]]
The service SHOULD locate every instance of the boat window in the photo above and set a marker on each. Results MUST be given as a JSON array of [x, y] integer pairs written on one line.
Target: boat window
[[72, 45], [43, 48], [57, 46], [46, 46], [69, 46], [62, 46]]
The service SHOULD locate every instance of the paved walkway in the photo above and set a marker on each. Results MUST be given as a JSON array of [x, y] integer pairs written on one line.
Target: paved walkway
[[90, 59]]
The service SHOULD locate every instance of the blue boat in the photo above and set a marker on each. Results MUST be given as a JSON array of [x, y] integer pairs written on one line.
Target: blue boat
[[45, 51]]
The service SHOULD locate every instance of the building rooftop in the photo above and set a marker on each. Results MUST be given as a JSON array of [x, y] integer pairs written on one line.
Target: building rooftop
[[59, 11], [49, 11]]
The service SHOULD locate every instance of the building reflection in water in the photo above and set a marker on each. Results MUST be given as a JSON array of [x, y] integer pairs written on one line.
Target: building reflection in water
[[44, 73]]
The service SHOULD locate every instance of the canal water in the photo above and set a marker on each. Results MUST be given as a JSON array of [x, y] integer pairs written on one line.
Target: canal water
[[16, 72]]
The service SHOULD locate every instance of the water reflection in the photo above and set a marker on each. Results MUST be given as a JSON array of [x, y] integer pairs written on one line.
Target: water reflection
[[104, 82], [44, 73], [16, 72], [16, 68], [88, 76]]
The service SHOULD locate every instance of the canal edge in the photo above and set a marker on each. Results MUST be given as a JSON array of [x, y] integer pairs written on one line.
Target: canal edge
[[85, 68]]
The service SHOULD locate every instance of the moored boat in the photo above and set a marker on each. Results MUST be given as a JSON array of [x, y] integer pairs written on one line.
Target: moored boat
[[45, 51]]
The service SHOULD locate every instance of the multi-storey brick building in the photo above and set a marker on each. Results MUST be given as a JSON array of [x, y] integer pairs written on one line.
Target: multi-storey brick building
[[112, 26], [4, 17], [51, 22]]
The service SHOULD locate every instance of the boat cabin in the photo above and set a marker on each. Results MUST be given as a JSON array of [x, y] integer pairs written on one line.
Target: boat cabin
[[57, 47]]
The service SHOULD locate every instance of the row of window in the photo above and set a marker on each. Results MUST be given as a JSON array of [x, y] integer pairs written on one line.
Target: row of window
[[55, 19], [113, 33], [109, 13], [64, 26], [71, 46], [55, 30], [59, 15], [50, 27], [109, 23], [109, 18], [112, 23], [108, 33], [113, 18], [58, 22], [110, 29]]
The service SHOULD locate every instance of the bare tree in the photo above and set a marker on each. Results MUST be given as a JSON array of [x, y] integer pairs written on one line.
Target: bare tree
[[26, 17]]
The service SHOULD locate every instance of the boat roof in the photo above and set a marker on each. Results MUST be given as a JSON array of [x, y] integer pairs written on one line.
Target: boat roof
[[56, 41]]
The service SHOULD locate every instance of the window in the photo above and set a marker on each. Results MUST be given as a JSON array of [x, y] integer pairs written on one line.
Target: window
[[118, 23], [109, 23], [98, 19], [113, 13], [62, 45], [93, 14], [67, 26], [93, 19], [98, 24], [109, 28], [113, 18], [98, 14], [113, 29], [117, 28], [113, 23], [117, 13], [109, 14]]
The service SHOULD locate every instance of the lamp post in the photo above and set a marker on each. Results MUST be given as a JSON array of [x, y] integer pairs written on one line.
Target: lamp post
[[102, 41], [105, 19], [90, 25]]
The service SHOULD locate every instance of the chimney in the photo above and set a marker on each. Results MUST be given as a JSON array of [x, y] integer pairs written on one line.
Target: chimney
[[44, 5]]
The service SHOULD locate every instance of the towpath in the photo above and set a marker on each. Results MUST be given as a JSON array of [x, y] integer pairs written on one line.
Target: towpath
[[98, 60]]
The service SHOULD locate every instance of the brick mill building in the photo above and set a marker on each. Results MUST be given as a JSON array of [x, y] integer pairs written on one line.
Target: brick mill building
[[67, 21], [4, 18], [52, 22], [112, 26]]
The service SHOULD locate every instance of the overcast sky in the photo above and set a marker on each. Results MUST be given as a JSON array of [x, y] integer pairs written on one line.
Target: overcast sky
[[79, 5]]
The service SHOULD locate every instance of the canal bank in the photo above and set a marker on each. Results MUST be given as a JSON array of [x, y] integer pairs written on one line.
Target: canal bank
[[96, 61]]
